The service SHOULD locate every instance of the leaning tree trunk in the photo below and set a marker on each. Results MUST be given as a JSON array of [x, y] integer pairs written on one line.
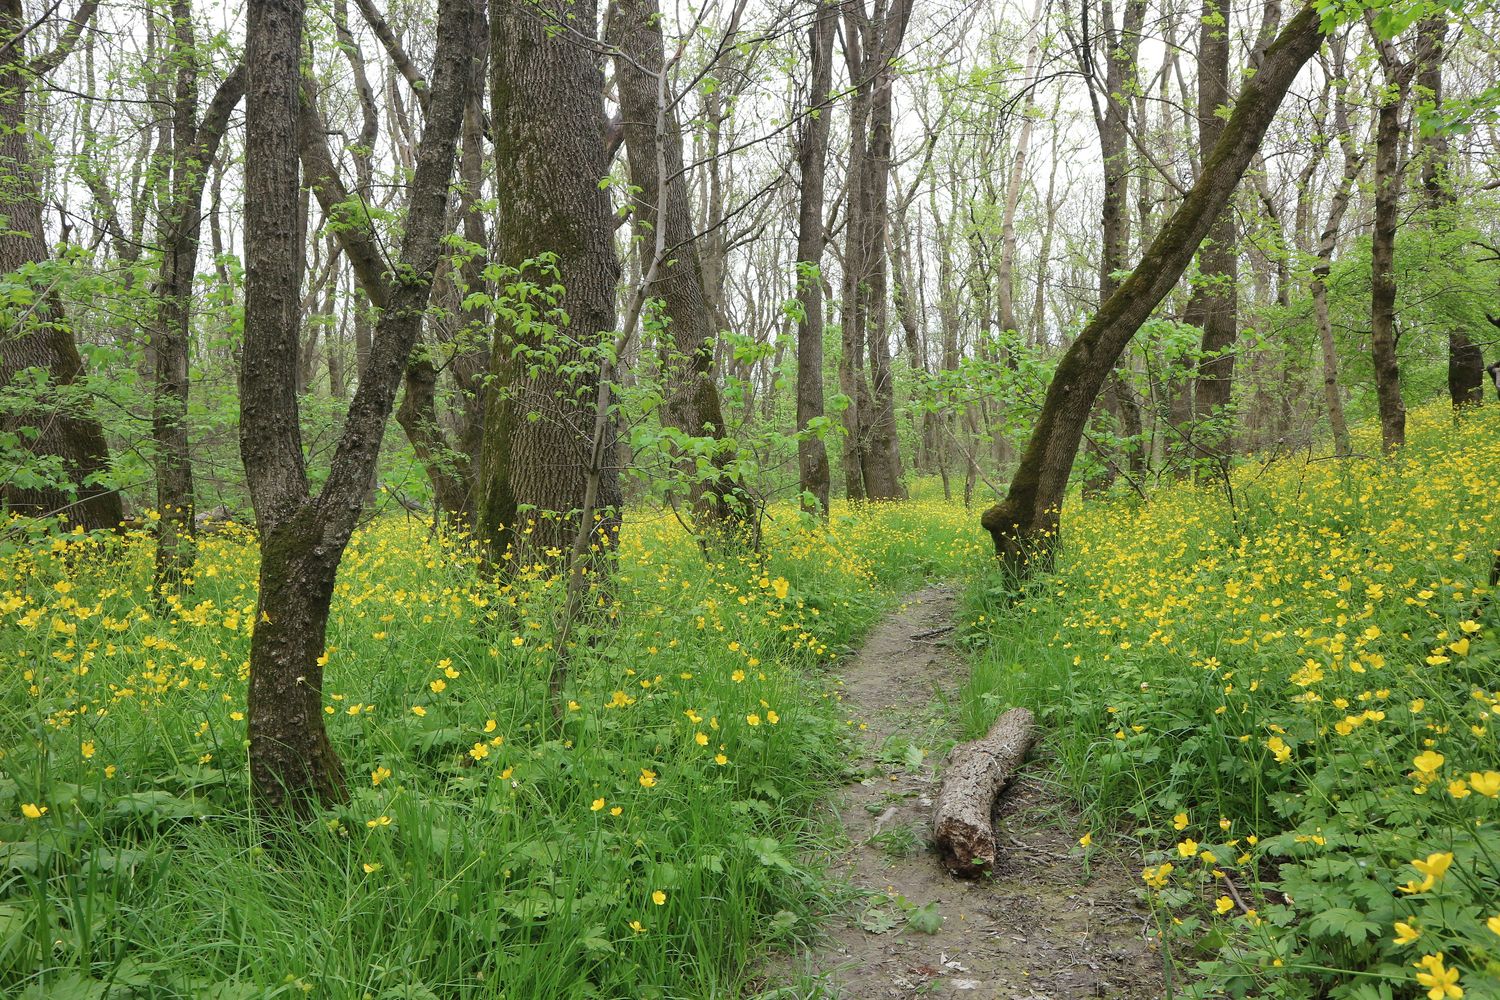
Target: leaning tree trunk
[[548, 119], [38, 337], [1026, 524], [812, 163], [303, 537], [1383, 334]]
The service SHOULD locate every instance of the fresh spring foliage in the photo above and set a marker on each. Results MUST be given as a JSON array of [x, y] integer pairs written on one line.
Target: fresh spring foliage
[[1291, 705]]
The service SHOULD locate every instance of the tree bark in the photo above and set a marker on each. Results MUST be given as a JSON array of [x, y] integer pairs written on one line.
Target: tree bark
[[1388, 170], [963, 824], [1026, 523], [871, 44], [292, 763], [1214, 304], [1465, 358], [66, 429], [653, 147], [812, 164], [548, 117]]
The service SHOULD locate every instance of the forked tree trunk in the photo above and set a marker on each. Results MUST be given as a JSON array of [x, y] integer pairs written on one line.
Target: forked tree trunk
[[1025, 525], [812, 163], [548, 120], [303, 537], [39, 337]]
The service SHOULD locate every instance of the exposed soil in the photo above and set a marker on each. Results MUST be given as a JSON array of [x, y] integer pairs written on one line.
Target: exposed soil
[[1040, 927]]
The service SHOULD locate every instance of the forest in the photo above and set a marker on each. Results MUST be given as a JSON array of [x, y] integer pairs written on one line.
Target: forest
[[780, 500]]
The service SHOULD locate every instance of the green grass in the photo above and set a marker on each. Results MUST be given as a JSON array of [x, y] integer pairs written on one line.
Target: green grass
[[476, 865]]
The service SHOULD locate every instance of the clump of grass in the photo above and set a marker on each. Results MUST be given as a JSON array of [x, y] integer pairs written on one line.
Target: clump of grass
[[1292, 699]]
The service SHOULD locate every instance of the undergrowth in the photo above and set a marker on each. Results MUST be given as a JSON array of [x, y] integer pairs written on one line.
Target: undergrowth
[[1289, 703], [653, 849]]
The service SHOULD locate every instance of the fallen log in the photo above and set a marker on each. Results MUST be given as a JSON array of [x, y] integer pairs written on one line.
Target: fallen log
[[962, 824]]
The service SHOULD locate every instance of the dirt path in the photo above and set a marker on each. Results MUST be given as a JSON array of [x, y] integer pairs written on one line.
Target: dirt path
[[1039, 929]]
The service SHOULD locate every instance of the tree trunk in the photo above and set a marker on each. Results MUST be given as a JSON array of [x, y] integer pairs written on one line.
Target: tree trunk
[[871, 45], [1027, 522], [653, 146], [194, 146], [1383, 333], [39, 338], [1353, 161], [1214, 305], [548, 120], [292, 763], [812, 163], [1465, 358]]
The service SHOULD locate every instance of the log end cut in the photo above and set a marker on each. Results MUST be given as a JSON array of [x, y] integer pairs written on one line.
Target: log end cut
[[963, 826]]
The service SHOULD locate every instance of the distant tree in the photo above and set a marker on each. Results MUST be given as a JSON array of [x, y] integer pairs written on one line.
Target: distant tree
[[194, 144], [303, 536]]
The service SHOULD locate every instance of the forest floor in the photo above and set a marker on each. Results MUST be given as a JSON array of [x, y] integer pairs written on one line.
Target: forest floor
[[1042, 927]]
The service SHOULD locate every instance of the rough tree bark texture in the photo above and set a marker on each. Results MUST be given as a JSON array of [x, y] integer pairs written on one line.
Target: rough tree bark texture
[[41, 338], [963, 825], [292, 764], [872, 41], [1388, 170], [812, 164], [1214, 305], [1026, 523], [548, 117], [653, 140], [1465, 358]]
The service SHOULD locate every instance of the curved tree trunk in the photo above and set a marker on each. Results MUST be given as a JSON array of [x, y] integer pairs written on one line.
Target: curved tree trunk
[[1025, 525], [548, 118]]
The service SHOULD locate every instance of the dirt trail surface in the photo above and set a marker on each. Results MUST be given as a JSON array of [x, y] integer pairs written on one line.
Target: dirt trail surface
[[1038, 929]]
